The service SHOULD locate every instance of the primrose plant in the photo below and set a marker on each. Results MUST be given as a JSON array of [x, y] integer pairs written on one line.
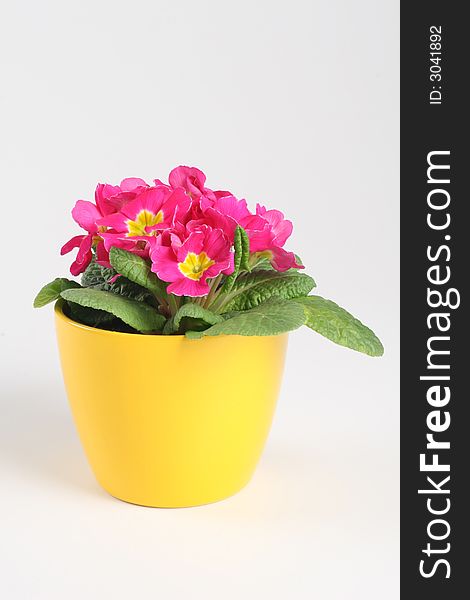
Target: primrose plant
[[180, 258]]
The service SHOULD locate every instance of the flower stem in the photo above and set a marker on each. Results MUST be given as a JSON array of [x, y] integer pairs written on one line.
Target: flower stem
[[173, 304], [213, 291]]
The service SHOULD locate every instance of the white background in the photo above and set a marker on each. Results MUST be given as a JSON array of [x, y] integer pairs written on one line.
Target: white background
[[293, 104]]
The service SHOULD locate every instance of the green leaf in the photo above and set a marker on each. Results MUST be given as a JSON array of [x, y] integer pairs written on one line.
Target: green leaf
[[194, 335], [96, 275], [91, 316], [298, 260], [339, 326], [252, 289], [241, 244], [138, 315], [102, 278], [52, 291], [191, 316], [245, 245], [271, 318], [194, 311], [169, 327], [136, 269]]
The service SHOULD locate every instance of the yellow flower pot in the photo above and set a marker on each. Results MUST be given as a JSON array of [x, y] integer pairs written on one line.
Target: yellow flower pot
[[166, 421]]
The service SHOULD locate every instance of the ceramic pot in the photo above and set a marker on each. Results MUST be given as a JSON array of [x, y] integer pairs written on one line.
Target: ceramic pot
[[166, 421]]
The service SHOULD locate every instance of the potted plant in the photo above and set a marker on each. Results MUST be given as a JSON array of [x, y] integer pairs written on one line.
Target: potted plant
[[172, 345]]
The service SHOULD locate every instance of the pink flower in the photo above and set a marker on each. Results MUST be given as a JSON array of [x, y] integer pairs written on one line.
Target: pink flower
[[187, 264], [225, 213], [192, 180], [153, 210], [232, 207], [85, 214], [187, 227], [109, 199], [268, 231]]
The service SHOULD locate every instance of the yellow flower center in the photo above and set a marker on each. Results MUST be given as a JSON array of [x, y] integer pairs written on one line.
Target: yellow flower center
[[144, 219], [97, 238], [265, 254], [195, 265]]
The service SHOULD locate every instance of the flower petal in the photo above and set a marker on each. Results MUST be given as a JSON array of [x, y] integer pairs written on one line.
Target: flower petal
[[84, 256], [216, 245], [116, 221], [217, 220], [150, 199], [71, 244], [86, 214], [79, 267], [232, 207], [84, 248], [131, 183], [283, 260], [190, 179], [189, 287], [102, 255], [110, 198], [194, 243], [164, 263], [281, 228], [121, 241], [175, 207]]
